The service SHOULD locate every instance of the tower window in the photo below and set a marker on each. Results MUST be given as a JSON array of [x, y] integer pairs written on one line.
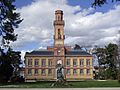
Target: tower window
[[59, 34]]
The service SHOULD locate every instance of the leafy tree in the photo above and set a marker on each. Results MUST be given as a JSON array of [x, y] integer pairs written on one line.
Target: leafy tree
[[101, 2], [9, 20], [111, 57], [77, 47], [107, 58]]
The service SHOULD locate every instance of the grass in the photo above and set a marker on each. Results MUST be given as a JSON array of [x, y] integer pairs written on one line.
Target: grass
[[74, 84]]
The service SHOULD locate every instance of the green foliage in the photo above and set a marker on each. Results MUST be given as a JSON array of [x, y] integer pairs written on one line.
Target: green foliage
[[9, 66], [77, 47], [9, 19], [107, 58], [101, 2]]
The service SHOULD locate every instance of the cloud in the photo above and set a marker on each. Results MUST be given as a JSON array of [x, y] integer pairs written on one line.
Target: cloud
[[82, 26]]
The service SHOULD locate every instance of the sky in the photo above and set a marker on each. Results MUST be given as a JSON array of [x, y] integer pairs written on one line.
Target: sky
[[84, 25]]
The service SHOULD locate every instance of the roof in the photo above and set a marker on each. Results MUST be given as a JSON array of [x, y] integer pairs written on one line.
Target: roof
[[41, 53], [78, 53], [51, 53]]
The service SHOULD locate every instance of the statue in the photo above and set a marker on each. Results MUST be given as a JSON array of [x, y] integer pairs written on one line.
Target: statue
[[60, 78], [59, 72]]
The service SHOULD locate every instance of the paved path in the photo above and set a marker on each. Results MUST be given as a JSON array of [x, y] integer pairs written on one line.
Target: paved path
[[59, 88]]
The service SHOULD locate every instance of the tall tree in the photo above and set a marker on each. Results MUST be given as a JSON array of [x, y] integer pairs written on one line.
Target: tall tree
[[9, 20], [111, 57], [107, 58]]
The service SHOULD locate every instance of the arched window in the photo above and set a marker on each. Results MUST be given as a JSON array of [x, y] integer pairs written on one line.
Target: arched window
[[59, 34]]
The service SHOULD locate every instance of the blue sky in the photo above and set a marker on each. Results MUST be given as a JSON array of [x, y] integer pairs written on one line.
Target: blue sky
[[84, 25], [82, 3]]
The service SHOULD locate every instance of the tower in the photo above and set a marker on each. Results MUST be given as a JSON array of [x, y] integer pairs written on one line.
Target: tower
[[59, 29], [59, 37]]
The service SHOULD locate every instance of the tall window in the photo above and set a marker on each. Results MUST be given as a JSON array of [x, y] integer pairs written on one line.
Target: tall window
[[29, 71], [36, 71], [29, 62], [43, 62], [81, 71], [59, 34], [49, 71], [74, 71], [68, 62], [74, 62], [88, 71], [81, 62], [88, 62], [68, 71], [43, 72], [50, 62], [36, 62]]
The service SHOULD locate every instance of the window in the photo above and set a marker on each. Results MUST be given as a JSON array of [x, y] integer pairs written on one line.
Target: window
[[88, 71], [36, 62], [74, 62], [43, 62], [29, 62], [88, 62], [81, 71], [49, 71], [68, 71], [43, 72], [36, 71], [49, 62], [29, 71], [81, 62], [68, 62], [74, 71], [59, 34]]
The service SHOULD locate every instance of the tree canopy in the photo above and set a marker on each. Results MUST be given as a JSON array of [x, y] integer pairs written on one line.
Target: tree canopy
[[9, 20]]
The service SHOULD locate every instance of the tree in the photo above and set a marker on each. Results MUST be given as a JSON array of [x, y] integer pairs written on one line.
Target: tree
[[101, 2], [9, 20], [77, 47], [111, 57], [107, 58]]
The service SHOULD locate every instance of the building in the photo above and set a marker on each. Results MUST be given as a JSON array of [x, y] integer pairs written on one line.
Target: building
[[41, 65]]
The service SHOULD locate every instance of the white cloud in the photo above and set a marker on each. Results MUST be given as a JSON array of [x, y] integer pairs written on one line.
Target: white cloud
[[81, 26]]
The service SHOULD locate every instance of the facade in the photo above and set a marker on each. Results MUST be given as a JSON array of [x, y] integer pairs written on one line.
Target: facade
[[41, 64]]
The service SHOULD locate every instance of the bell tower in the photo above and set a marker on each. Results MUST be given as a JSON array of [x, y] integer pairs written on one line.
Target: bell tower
[[59, 29]]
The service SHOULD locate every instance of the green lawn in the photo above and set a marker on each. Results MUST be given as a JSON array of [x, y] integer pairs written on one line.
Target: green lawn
[[74, 84]]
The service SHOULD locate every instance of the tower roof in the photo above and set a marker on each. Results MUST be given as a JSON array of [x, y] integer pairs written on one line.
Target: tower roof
[[58, 12]]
